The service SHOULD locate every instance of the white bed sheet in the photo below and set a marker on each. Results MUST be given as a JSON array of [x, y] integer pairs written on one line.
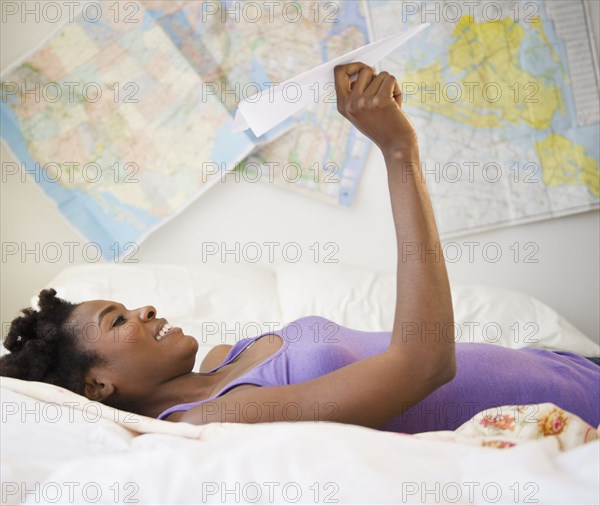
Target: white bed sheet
[[281, 463]]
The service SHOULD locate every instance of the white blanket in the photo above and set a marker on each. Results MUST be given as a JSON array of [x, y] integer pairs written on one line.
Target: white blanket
[[60, 448]]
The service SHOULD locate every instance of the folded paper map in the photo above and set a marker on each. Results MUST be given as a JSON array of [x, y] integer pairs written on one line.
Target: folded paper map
[[267, 108]]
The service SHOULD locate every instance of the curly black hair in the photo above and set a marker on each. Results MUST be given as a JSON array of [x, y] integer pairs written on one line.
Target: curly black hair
[[44, 347]]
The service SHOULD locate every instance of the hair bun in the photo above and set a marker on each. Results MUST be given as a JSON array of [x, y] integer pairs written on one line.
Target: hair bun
[[22, 330], [29, 327], [47, 299], [42, 347]]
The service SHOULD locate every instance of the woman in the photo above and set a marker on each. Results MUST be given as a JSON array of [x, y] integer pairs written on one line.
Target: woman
[[412, 379]]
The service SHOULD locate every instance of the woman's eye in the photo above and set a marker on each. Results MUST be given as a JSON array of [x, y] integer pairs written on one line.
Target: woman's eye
[[118, 320]]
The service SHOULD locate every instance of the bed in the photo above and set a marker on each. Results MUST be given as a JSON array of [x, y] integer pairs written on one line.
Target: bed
[[60, 448]]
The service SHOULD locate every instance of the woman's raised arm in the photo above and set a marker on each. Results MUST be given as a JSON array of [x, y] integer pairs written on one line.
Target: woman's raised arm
[[420, 358], [423, 323]]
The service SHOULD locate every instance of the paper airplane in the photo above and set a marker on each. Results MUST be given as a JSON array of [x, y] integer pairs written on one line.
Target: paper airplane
[[269, 107]]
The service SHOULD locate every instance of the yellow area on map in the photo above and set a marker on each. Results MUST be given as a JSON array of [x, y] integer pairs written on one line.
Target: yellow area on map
[[484, 57], [565, 162]]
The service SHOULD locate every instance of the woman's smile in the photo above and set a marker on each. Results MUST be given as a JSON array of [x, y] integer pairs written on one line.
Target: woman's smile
[[164, 327], [167, 331]]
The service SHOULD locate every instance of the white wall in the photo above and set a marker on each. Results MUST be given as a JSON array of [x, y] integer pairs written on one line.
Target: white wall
[[566, 275]]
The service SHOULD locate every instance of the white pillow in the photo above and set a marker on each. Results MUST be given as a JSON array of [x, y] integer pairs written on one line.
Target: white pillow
[[515, 320], [221, 304], [364, 299]]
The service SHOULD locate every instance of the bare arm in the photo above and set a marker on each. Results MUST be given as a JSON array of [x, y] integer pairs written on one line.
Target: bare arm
[[423, 323], [420, 358]]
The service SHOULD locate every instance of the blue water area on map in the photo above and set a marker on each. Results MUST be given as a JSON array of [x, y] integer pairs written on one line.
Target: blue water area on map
[[228, 146]]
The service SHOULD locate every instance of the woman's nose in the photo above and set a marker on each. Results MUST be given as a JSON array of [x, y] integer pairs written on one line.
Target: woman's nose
[[148, 312]]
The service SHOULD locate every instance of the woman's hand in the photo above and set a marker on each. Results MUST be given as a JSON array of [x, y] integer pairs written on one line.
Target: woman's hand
[[372, 104]]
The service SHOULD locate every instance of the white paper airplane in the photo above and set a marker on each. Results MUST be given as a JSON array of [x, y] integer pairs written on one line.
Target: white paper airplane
[[266, 109]]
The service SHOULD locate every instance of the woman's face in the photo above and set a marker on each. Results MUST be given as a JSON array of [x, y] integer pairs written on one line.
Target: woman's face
[[136, 360]]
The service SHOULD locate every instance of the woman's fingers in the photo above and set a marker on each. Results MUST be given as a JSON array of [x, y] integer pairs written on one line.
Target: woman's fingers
[[342, 74], [397, 93], [365, 77], [390, 88], [368, 83], [376, 83]]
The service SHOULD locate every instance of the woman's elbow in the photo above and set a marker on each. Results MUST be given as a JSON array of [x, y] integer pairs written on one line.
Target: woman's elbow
[[448, 368], [448, 372], [443, 372]]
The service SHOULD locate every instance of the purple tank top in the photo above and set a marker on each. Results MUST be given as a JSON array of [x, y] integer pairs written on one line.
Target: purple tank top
[[487, 375]]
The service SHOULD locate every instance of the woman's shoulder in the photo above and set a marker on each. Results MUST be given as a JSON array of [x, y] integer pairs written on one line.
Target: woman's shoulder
[[306, 323], [308, 319]]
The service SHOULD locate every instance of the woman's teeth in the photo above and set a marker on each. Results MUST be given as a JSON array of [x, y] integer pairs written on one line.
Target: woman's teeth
[[163, 331]]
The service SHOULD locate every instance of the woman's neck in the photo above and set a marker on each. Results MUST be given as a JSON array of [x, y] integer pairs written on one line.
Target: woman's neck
[[190, 387]]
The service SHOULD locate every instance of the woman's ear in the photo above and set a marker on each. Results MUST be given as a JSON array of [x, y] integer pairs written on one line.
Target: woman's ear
[[97, 389]]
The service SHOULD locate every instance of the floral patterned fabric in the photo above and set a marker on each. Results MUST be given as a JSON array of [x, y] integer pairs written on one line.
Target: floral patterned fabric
[[508, 426]]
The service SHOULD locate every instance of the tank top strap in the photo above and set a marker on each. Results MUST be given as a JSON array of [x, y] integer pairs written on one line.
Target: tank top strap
[[259, 375]]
